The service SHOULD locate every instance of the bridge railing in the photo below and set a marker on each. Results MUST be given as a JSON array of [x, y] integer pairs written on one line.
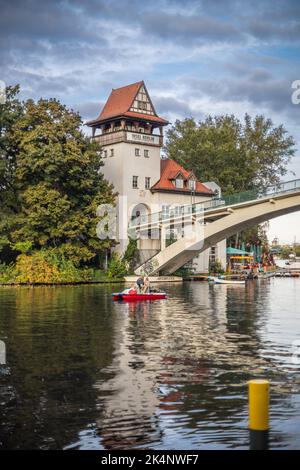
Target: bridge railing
[[180, 212], [175, 213]]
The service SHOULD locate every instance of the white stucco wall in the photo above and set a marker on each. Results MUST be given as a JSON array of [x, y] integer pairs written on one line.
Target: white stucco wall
[[120, 168]]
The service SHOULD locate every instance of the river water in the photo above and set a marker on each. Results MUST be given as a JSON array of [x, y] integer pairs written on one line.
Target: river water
[[83, 372]]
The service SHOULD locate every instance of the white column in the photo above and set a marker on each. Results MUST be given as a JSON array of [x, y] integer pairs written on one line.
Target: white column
[[163, 234]]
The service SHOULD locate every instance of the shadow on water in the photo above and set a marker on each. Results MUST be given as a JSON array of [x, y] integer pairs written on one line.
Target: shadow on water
[[84, 372]]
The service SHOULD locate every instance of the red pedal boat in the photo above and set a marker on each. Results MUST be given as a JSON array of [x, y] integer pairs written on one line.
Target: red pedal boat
[[136, 297]]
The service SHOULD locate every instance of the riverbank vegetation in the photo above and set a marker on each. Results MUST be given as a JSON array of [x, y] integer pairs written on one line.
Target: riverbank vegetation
[[50, 187]]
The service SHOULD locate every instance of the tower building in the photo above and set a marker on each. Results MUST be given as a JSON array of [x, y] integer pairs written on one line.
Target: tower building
[[130, 133]]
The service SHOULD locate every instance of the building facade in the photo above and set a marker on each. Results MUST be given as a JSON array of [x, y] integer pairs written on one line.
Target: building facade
[[131, 136]]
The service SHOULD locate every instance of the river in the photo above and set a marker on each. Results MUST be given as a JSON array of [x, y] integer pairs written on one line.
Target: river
[[83, 372]]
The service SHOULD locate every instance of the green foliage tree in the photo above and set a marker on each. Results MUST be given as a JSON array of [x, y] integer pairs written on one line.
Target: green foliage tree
[[10, 112], [286, 251], [239, 156], [57, 183], [256, 235], [297, 250]]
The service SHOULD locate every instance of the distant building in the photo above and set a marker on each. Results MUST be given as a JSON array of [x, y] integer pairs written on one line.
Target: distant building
[[131, 135]]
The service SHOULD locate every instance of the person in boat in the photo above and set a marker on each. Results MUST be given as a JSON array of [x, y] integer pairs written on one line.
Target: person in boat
[[250, 275], [140, 284], [146, 288], [131, 290]]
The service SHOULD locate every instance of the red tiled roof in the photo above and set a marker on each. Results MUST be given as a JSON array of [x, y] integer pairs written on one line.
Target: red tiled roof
[[119, 103], [148, 117], [169, 169]]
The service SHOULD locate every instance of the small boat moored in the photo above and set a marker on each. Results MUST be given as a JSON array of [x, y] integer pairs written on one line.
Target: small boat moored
[[217, 280]]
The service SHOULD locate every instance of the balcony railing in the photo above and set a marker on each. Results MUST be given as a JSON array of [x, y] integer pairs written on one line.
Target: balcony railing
[[124, 135]]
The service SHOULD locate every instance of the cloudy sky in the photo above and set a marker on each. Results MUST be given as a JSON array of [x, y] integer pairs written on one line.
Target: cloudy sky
[[197, 57]]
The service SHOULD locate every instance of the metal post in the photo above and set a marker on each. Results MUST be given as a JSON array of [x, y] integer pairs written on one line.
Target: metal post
[[259, 414]]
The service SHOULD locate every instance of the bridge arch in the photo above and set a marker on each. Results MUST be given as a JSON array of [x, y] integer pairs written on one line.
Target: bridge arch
[[225, 222]]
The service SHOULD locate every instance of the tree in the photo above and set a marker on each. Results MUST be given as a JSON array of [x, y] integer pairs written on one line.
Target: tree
[[57, 183], [239, 156], [297, 250], [286, 251], [10, 112], [256, 235]]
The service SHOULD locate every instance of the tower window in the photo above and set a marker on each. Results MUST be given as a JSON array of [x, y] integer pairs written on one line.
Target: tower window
[[112, 152], [135, 182], [142, 105], [146, 153], [147, 182], [137, 152], [104, 153]]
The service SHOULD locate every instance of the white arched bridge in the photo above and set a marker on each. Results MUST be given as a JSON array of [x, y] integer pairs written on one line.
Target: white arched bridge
[[202, 225]]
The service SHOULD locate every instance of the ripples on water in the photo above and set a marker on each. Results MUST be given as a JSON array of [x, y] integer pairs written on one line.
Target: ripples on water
[[84, 372]]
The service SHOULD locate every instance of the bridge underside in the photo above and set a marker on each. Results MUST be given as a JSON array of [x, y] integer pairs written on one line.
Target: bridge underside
[[233, 220]]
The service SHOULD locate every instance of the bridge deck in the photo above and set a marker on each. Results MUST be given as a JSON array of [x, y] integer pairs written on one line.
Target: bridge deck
[[214, 209]]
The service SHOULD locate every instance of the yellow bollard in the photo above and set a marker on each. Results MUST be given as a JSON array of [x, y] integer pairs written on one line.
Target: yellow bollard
[[259, 414]]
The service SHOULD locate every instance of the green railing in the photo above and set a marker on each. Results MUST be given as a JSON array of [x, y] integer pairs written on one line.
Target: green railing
[[230, 200]]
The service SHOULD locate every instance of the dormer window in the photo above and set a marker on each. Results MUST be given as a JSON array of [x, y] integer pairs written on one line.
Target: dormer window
[[179, 182], [192, 185]]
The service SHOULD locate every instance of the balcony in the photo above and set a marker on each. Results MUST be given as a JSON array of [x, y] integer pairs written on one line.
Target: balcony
[[123, 135]]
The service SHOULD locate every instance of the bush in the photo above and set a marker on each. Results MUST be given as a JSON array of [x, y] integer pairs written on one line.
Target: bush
[[47, 266], [117, 267], [35, 268], [184, 271], [7, 272], [215, 267], [68, 272], [130, 256]]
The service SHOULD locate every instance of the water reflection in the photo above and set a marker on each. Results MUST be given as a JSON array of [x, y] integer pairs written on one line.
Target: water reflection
[[55, 346], [89, 373]]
